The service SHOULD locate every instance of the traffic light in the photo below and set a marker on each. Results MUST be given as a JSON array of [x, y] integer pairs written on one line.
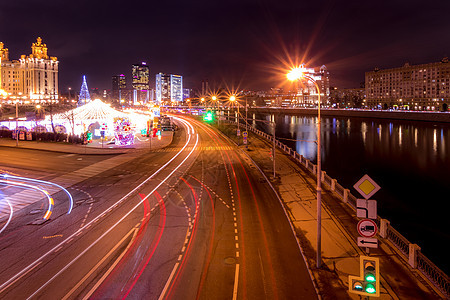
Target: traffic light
[[368, 283], [208, 117]]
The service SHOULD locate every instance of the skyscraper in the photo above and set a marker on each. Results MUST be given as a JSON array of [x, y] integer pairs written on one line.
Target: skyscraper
[[140, 74], [119, 85], [162, 87], [169, 88], [176, 88]]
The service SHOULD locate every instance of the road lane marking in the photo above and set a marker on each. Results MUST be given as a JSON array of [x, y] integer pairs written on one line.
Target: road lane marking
[[18, 278], [100, 281], [39, 260], [236, 281], [52, 236], [163, 293], [113, 226]]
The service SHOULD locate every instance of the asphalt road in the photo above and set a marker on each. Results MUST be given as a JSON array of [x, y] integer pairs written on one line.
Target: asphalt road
[[195, 220]]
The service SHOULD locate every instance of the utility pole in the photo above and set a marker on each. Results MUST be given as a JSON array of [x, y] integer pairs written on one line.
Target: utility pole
[[17, 123]]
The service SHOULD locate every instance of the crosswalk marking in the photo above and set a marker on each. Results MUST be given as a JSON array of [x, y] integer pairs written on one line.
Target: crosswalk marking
[[24, 198]]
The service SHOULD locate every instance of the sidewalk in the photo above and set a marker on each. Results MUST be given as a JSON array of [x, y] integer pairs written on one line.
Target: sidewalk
[[340, 253]]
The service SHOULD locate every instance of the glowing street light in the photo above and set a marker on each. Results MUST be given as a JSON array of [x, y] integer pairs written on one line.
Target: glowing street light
[[214, 98], [233, 99], [294, 75]]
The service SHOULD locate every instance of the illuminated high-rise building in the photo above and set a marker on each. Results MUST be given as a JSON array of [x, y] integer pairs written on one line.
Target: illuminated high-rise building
[[162, 87], [169, 88], [140, 75], [33, 77], [306, 95], [176, 88], [186, 93], [119, 86]]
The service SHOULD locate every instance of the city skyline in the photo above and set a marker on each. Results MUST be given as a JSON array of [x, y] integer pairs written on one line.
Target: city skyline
[[243, 44]]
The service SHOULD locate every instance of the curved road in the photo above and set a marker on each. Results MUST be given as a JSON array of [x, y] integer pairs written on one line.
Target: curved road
[[195, 220]]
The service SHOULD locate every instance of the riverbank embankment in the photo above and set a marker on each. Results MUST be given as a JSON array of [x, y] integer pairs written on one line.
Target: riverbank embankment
[[443, 117]]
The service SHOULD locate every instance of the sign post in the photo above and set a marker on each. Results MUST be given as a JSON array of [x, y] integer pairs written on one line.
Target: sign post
[[367, 210], [367, 283]]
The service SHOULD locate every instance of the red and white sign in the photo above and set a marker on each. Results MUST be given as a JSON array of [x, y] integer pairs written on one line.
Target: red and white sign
[[367, 228]]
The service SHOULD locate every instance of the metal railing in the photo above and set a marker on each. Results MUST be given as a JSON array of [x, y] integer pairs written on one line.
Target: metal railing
[[436, 276]]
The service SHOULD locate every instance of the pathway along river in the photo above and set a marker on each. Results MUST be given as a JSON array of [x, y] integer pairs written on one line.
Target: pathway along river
[[409, 160]]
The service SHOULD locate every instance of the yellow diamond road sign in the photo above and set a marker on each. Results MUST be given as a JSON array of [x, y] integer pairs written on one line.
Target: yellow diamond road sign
[[366, 186]]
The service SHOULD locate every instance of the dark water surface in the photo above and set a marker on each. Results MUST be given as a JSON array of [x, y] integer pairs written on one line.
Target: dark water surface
[[409, 160]]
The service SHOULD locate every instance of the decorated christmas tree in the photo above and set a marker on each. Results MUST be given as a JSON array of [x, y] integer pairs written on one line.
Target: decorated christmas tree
[[84, 93]]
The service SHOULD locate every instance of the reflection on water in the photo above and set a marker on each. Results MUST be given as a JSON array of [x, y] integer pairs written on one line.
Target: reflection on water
[[409, 160]]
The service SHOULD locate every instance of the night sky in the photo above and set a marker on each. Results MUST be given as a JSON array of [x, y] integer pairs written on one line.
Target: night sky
[[236, 43]]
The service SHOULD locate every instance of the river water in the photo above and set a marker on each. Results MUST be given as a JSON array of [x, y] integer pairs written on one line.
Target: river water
[[409, 160]]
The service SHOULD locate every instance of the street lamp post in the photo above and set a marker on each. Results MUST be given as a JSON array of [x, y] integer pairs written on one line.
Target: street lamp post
[[234, 100], [17, 123], [214, 98], [246, 129], [293, 75]]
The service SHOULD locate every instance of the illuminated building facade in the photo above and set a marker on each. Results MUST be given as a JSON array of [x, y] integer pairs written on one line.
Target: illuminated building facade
[[162, 88], [411, 87], [348, 98], [176, 88], [119, 86], [33, 77], [169, 88], [307, 95], [140, 75], [187, 93]]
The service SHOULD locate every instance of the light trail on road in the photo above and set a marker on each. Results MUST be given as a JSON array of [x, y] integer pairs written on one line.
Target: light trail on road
[[18, 275], [239, 242], [261, 225], [240, 250], [211, 243], [170, 284], [6, 176], [11, 212], [154, 245], [29, 186]]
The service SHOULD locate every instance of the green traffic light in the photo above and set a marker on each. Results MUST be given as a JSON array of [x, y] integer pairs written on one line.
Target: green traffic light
[[370, 277], [208, 116], [370, 288]]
